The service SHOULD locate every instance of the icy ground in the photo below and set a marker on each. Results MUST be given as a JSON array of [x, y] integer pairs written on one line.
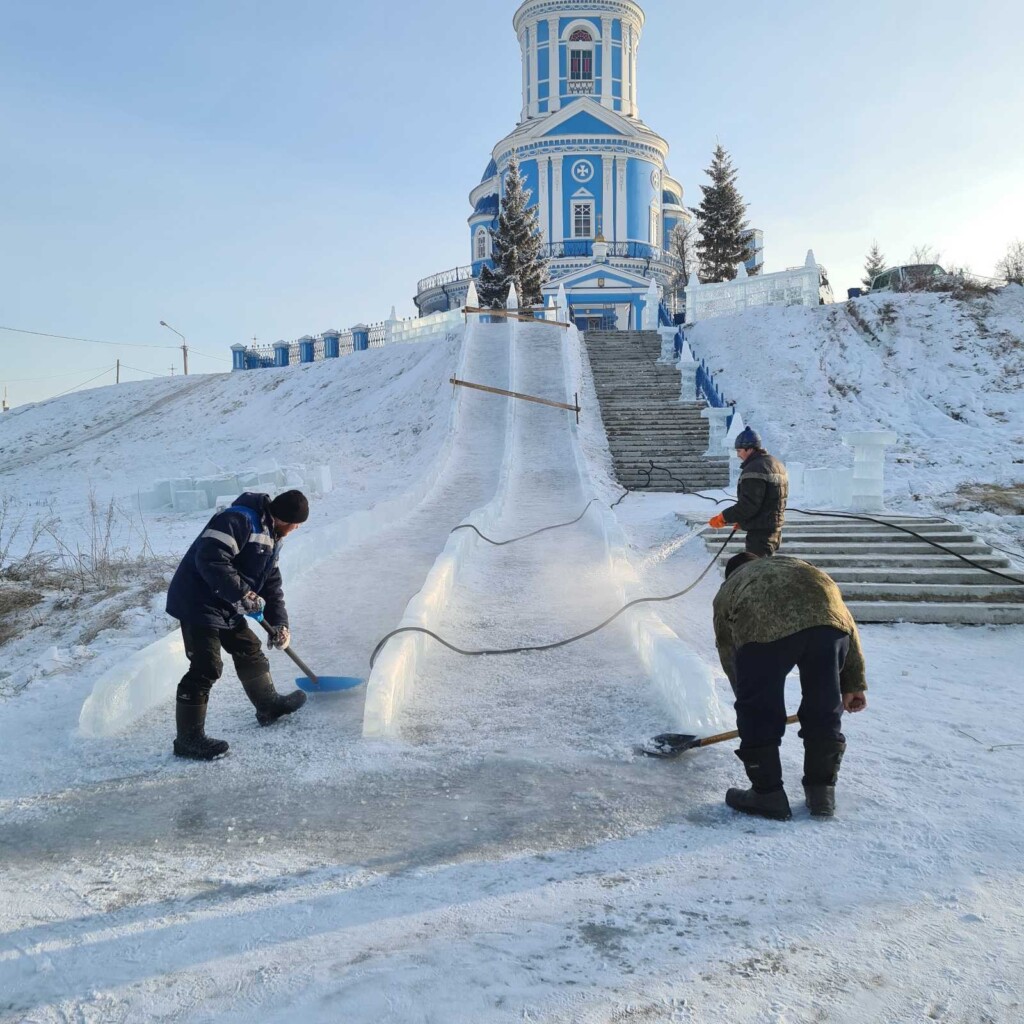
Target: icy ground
[[509, 859]]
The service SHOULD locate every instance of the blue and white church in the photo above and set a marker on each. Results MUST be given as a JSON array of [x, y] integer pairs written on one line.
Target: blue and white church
[[606, 202]]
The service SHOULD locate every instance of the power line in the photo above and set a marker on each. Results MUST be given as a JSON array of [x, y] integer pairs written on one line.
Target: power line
[[100, 341], [109, 369], [91, 341], [53, 376], [125, 366]]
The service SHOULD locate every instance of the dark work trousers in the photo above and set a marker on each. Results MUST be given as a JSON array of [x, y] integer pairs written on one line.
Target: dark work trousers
[[763, 542], [761, 670], [203, 646]]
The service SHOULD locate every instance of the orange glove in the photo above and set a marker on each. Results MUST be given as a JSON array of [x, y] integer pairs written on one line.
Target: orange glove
[[717, 521]]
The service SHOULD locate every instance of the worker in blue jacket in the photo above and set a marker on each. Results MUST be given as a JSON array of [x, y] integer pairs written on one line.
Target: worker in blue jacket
[[231, 571]]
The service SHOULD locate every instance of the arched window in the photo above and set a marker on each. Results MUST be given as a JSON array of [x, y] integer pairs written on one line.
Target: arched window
[[581, 61], [481, 244]]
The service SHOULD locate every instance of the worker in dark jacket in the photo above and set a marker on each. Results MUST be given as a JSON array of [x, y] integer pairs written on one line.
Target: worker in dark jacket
[[230, 571], [760, 496], [771, 615]]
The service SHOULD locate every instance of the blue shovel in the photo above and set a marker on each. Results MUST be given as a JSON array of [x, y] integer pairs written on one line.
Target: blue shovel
[[311, 682]]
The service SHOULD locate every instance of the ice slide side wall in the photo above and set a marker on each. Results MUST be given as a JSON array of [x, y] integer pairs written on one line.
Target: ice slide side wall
[[391, 682], [148, 678], [681, 675]]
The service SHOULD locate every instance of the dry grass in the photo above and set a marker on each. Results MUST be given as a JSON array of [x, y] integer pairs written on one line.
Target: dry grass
[[1003, 500], [15, 600]]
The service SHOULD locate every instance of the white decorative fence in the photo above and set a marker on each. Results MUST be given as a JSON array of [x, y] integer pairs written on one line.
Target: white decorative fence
[[797, 286]]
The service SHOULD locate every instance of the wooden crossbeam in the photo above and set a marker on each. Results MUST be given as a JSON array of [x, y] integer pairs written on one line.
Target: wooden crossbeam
[[510, 315], [515, 394]]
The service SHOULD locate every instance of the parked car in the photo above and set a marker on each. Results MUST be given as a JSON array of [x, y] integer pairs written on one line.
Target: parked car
[[916, 275]]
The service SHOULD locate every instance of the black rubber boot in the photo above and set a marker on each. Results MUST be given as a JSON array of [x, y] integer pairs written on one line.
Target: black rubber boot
[[822, 759], [269, 704], [192, 741], [766, 798]]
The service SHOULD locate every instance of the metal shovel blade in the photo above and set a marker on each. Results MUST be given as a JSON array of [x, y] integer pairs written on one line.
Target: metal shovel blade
[[327, 684], [669, 745]]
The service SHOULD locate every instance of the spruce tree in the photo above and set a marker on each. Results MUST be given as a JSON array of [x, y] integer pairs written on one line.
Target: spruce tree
[[517, 249], [873, 266], [723, 242]]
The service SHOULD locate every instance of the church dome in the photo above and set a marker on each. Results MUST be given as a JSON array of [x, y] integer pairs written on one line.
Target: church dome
[[492, 170]]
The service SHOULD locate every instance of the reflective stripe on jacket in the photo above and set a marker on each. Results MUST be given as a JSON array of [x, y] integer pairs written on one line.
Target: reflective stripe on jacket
[[235, 553]]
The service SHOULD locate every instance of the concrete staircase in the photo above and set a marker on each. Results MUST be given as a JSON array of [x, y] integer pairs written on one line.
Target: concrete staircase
[[644, 418], [889, 576]]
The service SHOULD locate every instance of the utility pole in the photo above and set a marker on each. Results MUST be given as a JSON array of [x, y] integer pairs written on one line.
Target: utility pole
[[184, 344], [6, 407], [117, 377], [172, 369]]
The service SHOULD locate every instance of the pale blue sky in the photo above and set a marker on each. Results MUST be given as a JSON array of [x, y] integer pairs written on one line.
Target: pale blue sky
[[271, 169]]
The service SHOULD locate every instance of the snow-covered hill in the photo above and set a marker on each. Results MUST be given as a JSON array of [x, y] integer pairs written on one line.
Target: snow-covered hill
[[377, 418], [510, 860], [946, 374]]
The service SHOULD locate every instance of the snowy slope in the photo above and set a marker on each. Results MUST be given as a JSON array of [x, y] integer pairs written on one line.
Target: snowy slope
[[512, 862], [945, 374], [376, 417]]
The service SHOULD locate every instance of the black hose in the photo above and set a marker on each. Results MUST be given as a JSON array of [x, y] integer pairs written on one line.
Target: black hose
[[557, 643], [513, 540]]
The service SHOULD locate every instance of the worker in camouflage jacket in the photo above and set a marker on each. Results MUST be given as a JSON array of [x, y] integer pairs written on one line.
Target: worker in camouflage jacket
[[771, 615], [229, 572], [761, 494]]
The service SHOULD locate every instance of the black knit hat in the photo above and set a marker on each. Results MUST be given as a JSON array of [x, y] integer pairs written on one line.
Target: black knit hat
[[290, 507], [738, 561]]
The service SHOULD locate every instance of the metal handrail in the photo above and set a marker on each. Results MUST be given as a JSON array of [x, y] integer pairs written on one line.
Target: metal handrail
[[444, 277]]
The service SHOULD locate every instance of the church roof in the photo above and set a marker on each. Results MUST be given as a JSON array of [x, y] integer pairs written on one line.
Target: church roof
[[492, 170]]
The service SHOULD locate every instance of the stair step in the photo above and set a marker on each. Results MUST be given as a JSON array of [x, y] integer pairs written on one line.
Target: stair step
[[973, 614], [1008, 594]]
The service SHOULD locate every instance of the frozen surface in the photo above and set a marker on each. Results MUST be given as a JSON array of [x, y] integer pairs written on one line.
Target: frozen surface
[[509, 860]]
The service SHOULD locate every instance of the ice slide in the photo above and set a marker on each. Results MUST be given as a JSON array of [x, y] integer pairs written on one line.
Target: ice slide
[[509, 467], [348, 582], [634, 678]]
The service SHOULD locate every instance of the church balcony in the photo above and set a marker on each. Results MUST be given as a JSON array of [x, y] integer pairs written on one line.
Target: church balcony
[[445, 277], [581, 87], [583, 248]]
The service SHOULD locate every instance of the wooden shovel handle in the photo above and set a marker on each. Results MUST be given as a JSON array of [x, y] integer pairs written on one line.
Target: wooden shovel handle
[[723, 736], [298, 661]]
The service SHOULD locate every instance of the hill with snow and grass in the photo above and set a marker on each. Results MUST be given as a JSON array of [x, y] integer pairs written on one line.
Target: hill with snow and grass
[[495, 851]]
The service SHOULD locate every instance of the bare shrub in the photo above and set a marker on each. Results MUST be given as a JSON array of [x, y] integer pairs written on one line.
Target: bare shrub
[[1011, 267]]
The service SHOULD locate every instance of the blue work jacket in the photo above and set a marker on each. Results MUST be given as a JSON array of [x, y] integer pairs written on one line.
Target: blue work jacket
[[236, 552]]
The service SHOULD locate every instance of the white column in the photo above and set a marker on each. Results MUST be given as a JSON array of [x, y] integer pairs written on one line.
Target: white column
[[534, 101], [555, 87], [543, 218], [607, 196], [606, 63], [557, 224], [634, 42], [627, 67], [522, 52], [620, 192], [716, 424], [868, 468]]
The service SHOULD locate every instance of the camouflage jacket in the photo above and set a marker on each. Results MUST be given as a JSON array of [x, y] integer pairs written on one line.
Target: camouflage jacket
[[761, 494], [776, 597]]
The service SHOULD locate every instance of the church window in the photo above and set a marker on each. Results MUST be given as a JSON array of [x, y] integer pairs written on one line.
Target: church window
[[655, 226], [582, 219], [581, 35], [581, 65], [481, 244]]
